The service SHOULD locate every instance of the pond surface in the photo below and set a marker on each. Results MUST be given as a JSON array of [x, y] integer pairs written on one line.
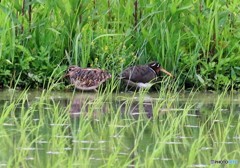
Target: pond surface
[[127, 129]]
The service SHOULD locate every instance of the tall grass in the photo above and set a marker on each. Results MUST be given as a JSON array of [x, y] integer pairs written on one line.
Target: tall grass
[[197, 41], [106, 130]]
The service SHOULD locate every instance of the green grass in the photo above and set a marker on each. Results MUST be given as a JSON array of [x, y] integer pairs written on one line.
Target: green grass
[[37, 131], [196, 41]]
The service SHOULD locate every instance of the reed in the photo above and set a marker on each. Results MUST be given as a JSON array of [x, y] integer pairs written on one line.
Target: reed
[[197, 41]]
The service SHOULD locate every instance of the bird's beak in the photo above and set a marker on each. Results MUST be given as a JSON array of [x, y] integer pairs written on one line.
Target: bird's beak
[[166, 72]]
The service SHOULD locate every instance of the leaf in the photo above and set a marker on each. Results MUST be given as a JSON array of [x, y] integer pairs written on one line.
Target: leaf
[[173, 8], [54, 30], [238, 68], [8, 61], [233, 74], [200, 79], [6, 73], [26, 57]]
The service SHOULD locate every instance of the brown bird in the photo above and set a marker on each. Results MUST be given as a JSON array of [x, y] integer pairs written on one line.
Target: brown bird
[[142, 76], [87, 78]]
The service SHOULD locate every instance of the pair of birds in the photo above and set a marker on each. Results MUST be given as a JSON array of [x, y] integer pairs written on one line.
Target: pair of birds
[[140, 76]]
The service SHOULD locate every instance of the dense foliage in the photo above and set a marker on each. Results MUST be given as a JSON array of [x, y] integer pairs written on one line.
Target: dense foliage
[[198, 41]]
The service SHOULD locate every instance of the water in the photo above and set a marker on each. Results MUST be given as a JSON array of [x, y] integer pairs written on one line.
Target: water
[[170, 130]]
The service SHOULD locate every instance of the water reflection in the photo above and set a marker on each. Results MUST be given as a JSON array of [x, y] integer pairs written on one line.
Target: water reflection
[[135, 108], [87, 105], [122, 136], [90, 105], [83, 105]]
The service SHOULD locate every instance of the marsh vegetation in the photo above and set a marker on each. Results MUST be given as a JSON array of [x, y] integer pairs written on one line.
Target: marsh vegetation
[[198, 41], [141, 130], [181, 124]]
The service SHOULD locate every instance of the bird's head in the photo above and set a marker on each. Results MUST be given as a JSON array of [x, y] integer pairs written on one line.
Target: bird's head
[[71, 70], [157, 68]]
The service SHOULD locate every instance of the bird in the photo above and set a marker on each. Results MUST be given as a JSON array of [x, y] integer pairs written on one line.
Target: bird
[[86, 78], [142, 76]]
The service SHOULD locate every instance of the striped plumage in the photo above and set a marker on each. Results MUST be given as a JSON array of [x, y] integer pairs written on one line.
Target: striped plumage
[[87, 78]]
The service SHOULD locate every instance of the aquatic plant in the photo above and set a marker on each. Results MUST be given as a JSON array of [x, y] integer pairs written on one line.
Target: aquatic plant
[[197, 41], [73, 129]]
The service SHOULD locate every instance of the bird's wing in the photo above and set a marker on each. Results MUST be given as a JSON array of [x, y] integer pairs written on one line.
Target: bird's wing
[[138, 74]]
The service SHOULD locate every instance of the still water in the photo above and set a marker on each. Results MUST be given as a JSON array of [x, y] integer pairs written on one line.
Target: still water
[[194, 130]]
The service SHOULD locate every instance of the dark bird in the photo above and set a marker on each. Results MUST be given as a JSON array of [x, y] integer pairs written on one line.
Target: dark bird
[[142, 76], [87, 78]]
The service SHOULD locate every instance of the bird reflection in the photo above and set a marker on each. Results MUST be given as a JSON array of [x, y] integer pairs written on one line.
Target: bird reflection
[[87, 105], [91, 105], [136, 108]]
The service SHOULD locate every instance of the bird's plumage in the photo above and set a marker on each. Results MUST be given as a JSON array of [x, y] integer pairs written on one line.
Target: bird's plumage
[[142, 75], [87, 78]]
